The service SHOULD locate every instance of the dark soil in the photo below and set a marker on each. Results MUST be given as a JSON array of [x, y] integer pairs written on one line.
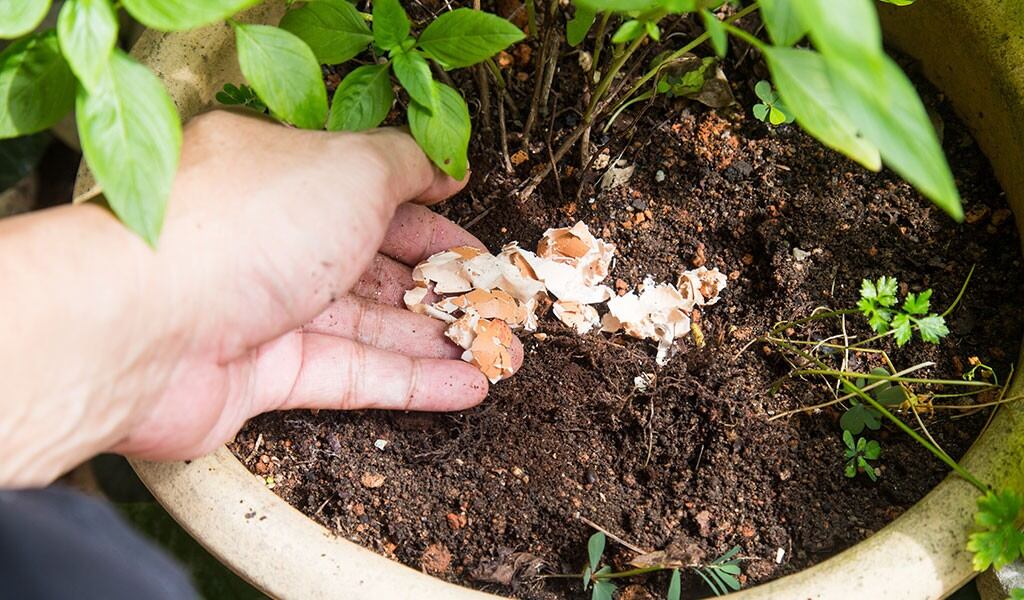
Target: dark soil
[[692, 464]]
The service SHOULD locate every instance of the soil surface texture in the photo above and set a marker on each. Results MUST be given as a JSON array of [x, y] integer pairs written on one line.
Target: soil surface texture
[[690, 464]]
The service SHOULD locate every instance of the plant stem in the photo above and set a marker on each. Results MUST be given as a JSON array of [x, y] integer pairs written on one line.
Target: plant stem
[[872, 376], [631, 572], [962, 472], [602, 26], [609, 76], [960, 295], [697, 41], [743, 35], [531, 18], [814, 317]]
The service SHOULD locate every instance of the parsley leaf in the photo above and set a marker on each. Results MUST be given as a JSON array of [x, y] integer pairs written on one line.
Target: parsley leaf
[[918, 304], [1000, 542], [902, 326], [932, 328]]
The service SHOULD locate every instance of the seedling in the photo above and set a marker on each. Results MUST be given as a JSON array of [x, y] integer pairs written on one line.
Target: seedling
[[878, 304], [721, 574], [858, 454], [240, 95], [875, 396], [858, 415], [770, 110]]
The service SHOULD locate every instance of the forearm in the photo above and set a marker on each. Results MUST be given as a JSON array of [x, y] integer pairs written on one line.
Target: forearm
[[78, 304]]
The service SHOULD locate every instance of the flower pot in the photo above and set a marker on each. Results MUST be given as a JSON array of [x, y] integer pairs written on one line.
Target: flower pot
[[968, 51]]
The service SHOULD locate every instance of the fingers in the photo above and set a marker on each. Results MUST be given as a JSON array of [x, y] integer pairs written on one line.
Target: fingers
[[392, 329], [411, 175], [384, 282], [385, 327], [417, 232], [339, 373]]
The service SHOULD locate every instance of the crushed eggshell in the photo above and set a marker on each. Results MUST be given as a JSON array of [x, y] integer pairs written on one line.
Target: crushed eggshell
[[484, 297]]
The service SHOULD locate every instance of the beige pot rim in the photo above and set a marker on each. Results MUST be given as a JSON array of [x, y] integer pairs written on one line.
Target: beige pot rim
[[965, 48]]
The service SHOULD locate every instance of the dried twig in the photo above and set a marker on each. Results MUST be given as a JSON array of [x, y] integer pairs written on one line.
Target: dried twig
[[611, 535]]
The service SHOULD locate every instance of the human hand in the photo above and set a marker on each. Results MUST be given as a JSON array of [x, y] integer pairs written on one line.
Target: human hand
[[277, 284]]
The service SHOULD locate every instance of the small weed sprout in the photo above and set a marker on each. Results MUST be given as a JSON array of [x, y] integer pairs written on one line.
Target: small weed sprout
[[241, 95], [770, 109], [875, 397], [858, 454], [721, 574]]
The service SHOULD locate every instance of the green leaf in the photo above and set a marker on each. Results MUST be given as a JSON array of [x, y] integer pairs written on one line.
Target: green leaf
[[763, 89], [918, 304], [843, 28], [848, 439], [1017, 593], [390, 23], [761, 112], [902, 328], [595, 548], [728, 579], [36, 85], [887, 289], [577, 28], [850, 470], [87, 31], [443, 135], [899, 2], [333, 29], [868, 469], [464, 37], [362, 100], [179, 15], [932, 328], [21, 16], [284, 72], [714, 27], [868, 291], [872, 450], [892, 395], [782, 21], [131, 138], [628, 31], [1000, 542], [413, 72], [674, 586], [803, 83], [887, 111], [243, 95], [776, 116], [859, 416], [587, 574], [603, 590], [652, 30]]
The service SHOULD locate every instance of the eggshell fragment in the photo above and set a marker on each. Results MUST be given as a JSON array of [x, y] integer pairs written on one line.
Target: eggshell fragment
[[483, 297], [581, 317]]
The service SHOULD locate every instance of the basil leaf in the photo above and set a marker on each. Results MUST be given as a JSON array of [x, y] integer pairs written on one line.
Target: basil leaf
[[628, 31], [885, 108], [464, 37], [714, 27], [847, 28], [334, 29], [36, 85], [284, 73], [390, 23], [413, 73], [87, 31], [131, 138], [802, 80], [362, 100], [21, 16], [443, 135], [178, 15], [576, 29], [782, 21]]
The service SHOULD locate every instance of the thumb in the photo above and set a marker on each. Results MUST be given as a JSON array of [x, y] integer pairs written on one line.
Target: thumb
[[412, 177]]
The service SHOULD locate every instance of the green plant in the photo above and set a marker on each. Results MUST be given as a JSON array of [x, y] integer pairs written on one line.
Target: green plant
[[131, 132], [883, 391], [1000, 540], [240, 95], [878, 304], [859, 415], [770, 109], [720, 574], [846, 92], [858, 454]]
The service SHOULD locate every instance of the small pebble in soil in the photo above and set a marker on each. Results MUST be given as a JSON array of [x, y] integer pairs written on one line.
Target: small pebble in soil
[[381, 444], [659, 176], [372, 480]]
